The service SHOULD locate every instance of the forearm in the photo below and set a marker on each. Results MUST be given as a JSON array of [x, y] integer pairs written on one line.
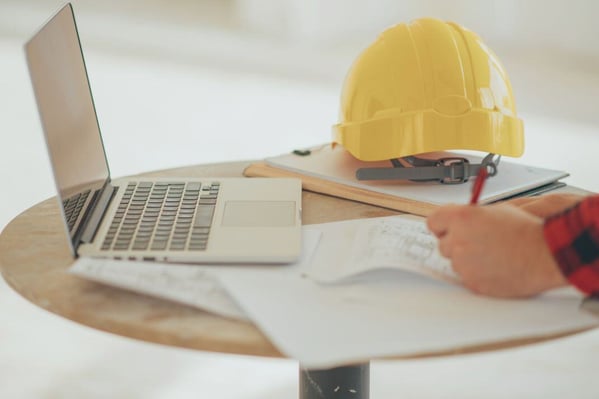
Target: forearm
[[573, 238]]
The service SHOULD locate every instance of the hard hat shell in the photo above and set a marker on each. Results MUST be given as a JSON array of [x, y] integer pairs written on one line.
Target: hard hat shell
[[427, 86]]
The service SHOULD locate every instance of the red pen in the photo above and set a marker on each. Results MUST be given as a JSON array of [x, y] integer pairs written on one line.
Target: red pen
[[477, 187]]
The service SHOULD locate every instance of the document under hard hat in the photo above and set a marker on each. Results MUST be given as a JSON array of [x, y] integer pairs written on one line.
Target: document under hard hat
[[332, 171]]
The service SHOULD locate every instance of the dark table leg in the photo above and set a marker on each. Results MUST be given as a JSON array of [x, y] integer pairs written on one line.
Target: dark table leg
[[347, 382]]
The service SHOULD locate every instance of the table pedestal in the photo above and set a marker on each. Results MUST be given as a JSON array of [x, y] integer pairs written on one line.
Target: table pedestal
[[347, 382]]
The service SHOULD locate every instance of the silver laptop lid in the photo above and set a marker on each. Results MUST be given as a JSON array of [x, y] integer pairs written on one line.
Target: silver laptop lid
[[68, 116]]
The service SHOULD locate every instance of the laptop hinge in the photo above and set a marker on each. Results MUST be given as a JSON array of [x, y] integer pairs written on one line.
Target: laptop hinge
[[93, 222]]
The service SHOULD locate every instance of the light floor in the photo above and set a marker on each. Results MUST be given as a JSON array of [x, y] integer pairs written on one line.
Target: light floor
[[169, 111]]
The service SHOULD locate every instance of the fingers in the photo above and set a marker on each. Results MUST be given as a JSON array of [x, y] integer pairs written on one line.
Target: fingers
[[445, 220], [441, 220], [445, 246], [449, 225], [438, 221]]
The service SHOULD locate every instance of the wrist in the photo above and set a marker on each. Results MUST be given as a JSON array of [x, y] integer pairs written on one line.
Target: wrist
[[547, 270]]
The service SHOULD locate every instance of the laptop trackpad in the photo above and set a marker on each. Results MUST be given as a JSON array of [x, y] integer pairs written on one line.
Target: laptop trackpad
[[259, 213]]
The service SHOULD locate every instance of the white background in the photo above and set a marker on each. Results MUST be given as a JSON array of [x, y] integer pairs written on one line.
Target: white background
[[186, 82]]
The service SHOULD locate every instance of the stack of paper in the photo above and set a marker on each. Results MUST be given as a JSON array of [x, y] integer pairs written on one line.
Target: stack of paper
[[364, 289], [332, 171], [194, 285], [342, 311]]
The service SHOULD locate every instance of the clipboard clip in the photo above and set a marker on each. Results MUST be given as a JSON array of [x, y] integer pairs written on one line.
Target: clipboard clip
[[450, 170]]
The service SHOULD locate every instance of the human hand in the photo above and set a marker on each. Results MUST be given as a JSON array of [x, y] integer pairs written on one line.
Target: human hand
[[546, 205], [498, 250]]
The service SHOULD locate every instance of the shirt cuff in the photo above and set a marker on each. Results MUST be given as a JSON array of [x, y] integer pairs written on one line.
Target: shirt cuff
[[571, 237]]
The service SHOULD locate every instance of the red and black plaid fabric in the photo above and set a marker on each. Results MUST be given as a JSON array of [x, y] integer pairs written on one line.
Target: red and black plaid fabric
[[573, 238]]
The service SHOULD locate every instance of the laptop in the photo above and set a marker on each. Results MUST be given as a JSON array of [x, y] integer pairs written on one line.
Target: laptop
[[183, 220]]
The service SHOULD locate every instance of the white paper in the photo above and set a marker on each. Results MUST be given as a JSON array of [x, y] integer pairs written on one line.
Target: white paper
[[195, 285], [398, 243], [332, 312], [352, 247], [392, 313], [336, 164], [190, 285]]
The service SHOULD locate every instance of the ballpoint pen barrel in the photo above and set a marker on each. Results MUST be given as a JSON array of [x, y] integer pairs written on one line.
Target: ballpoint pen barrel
[[477, 187]]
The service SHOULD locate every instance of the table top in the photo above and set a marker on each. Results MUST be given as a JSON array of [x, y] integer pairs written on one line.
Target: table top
[[34, 258]]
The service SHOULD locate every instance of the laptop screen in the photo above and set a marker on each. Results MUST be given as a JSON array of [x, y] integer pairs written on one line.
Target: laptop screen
[[67, 114]]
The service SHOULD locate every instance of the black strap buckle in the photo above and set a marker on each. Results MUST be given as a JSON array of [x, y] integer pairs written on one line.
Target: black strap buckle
[[457, 170]]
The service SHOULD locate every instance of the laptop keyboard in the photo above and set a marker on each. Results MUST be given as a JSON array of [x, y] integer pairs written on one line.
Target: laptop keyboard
[[158, 216], [72, 207]]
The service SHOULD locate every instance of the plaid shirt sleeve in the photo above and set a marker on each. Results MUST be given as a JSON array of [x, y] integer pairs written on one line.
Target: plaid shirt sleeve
[[573, 238]]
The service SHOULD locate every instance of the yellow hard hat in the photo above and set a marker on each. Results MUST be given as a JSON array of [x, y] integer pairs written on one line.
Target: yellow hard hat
[[427, 86]]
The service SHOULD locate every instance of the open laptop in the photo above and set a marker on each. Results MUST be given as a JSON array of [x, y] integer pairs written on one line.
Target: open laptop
[[213, 219]]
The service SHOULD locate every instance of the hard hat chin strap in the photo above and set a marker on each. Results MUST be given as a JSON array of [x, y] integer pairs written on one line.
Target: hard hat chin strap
[[452, 170]]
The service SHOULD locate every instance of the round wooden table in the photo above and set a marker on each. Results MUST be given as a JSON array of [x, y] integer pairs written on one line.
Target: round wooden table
[[34, 258]]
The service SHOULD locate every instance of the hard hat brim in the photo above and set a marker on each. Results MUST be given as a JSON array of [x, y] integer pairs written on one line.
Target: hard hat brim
[[413, 133]]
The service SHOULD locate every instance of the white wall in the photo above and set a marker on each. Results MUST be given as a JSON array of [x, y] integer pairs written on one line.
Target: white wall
[[548, 24], [265, 76]]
